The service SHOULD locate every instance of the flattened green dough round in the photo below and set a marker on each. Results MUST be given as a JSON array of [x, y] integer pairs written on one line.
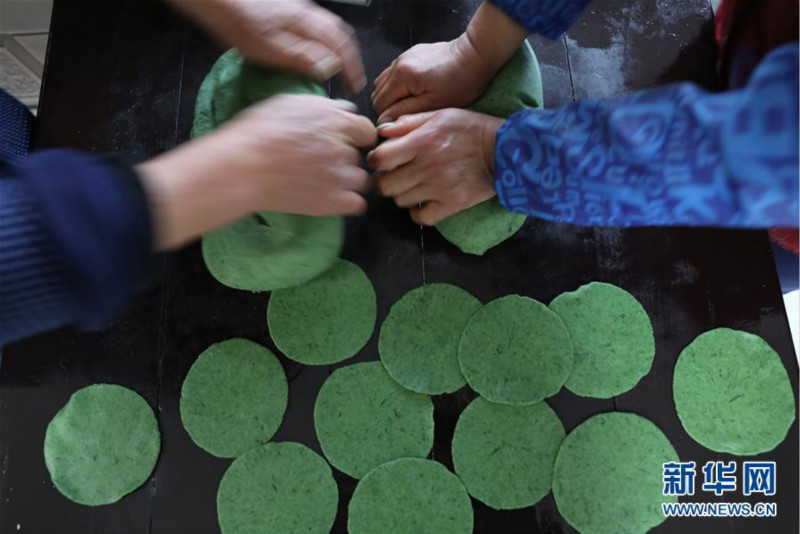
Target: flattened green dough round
[[732, 393], [278, 487], [102, 445], [612, 337], [515, 351], [419, 339], [269, 250], [364, 418], [517, 86], [504, 455], [608, 475], [410, 496], [233, 397], [326, 320]]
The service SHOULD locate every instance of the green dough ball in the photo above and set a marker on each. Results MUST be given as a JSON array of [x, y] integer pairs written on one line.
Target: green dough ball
[[419, 338], [504, 455], [326, 320], [410, 496], [278, 487], [517, 86], [516, 351], [234, 397], [612, 337], [268, 250], [608, 475], [102, 445], [481, 227], [364, 418], [732, 393]]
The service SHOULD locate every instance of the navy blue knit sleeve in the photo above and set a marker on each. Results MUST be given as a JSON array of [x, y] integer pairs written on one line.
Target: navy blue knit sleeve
[[550, 18], [75, 242]]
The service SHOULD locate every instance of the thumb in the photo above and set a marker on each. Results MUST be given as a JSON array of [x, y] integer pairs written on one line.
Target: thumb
[[407, 106], [431, 213], [405, 124]]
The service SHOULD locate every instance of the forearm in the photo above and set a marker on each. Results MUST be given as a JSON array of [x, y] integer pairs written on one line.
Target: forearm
[[550, 18], [494, 37]]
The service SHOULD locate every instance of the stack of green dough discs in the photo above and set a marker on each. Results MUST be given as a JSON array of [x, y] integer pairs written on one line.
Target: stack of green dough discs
[[268, 250]]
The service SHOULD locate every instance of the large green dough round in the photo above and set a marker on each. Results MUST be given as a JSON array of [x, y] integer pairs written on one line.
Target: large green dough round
[[419, 339], [268, 250], [326, 320], [102, 445], [278, 487], [504, 455], [364, 418], [612, 337], [517, 86], [234, 397], [515, 351], [410, 496], [732, 393], [608, 475]]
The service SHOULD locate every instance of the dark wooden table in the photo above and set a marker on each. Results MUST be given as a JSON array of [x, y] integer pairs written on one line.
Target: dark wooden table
[[122, 76]]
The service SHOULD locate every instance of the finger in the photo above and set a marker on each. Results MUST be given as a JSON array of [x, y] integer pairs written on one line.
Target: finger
[[415, 196], [405, 124], [382, 77], [353, 178], [399, 182], [347, 203], [304, 56], [359, 131], [392, 91], [408, 106], [431, 213], [322, 26], [393, 154]]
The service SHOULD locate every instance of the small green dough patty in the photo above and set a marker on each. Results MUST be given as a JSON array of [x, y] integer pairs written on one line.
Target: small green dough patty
[[612, 337], [265, 251], [504, 455], [364, 418], [278, 487], [233, 397], [419, 339], [732, 393], [514, 350], [410, 496], [327, 320], [517, 86], [608, 475], [102, 445]]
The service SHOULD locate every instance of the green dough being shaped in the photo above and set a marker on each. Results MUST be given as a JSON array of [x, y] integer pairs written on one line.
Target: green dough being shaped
[[327, 320], [504, 455], [278, 487], [102, 445], [233, 397], [269, 250], [612, 337], [514, 350], [608, 475], [410, 496], [419, 339], [732, 393], [364, 418], [517, 86]]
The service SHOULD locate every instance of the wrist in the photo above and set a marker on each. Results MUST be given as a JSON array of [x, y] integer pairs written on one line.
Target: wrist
[[494, 36], [489, 142]]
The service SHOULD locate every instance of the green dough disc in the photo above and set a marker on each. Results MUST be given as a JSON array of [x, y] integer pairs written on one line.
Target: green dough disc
[[102, 445], [732, 393], [419, 339], [612, 337], [269, 250], [410, 496], [234, 397], [608, 475], [326, 320], [278, 487], [364, 418], [516, 351], [517, 86], [504, 455]]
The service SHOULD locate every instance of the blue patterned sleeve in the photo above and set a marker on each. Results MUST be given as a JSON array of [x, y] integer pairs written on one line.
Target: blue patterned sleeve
[[675, 155], [550, 18]]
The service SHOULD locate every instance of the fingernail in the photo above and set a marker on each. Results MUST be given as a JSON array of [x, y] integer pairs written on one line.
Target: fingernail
[[346, 104], [385, 125], [325, 68], [385, 120]]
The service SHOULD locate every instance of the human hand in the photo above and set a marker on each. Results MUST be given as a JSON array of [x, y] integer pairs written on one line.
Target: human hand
[[295, 35], [293, 154], [443, 160]]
